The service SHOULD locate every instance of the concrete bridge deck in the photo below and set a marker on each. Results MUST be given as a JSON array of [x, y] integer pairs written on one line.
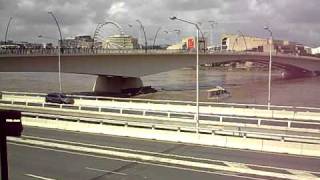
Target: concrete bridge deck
[[118, 70]]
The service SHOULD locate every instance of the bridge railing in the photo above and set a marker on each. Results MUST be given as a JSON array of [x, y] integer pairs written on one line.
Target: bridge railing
[[100, 51], [212, 119], [89, 51], [175, 102]]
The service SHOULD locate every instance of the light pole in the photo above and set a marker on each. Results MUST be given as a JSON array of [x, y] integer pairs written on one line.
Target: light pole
[[197, 69], [6, 35], [155, 37], [59, 61], [144, 33], [270, 65], [59, 49]]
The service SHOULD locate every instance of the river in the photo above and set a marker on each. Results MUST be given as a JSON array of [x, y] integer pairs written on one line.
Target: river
[[244, 86]]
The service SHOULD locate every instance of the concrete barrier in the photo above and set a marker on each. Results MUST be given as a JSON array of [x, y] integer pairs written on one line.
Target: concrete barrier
[[282, 147], [310, 149], [176, 136]]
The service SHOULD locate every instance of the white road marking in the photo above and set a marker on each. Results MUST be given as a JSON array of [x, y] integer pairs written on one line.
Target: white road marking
[[102, 170], [303, 174], [152, 159], [38, 177], [236, 165]]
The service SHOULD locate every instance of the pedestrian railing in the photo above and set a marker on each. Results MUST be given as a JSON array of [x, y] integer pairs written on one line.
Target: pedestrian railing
[[172, 102], [211, 119], [101, 51]]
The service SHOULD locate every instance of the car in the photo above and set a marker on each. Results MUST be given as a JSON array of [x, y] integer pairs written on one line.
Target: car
[[58, 98]]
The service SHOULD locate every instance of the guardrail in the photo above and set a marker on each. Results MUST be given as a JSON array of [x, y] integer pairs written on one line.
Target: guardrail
[[100, 51], [217, 119], [178, 128], [174, 102]]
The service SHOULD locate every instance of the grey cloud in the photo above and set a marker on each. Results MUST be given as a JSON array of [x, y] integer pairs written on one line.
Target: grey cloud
[[295, 20]]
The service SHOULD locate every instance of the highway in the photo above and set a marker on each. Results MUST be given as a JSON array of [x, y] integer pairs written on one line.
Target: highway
[[30, 161]]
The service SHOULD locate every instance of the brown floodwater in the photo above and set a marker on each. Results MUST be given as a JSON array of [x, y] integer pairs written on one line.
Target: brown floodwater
[[244, 86]]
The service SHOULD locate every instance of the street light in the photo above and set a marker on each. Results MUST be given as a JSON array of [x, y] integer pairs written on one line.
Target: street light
[[144, 33], [155, 37], [59, 61], [59, 49], [197, 69], [270, 66], [5, 37]]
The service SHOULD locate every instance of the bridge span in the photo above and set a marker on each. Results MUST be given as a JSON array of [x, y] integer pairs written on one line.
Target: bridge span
[[122, 69]]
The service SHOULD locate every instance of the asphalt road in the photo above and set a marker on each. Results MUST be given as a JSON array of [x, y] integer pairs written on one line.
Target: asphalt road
[[208, 152], [34, 162]]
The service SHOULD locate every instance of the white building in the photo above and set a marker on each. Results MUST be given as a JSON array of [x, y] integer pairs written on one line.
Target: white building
[[120, 42]]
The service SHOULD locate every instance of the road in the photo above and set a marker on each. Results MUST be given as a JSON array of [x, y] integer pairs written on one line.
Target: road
[[48, 163]]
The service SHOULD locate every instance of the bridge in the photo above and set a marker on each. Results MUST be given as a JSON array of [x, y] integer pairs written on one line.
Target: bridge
[[122, 69]]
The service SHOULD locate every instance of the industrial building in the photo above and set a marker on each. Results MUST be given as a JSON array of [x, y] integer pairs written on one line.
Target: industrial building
[[238, 42]]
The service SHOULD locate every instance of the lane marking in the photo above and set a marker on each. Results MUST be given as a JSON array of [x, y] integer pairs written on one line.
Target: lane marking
[[38, 177], [236, 165], [145, 163], [102, 170], [303, 174], [153, 159]]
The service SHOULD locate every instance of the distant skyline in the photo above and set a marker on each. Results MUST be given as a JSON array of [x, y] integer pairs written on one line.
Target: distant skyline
[[293, 20]]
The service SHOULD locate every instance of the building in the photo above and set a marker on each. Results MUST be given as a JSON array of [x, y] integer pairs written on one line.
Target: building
[[85, 41], [120, 42], [189, 43], [235, 42]]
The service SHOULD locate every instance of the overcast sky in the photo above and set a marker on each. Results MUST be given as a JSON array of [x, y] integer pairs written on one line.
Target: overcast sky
[[294, 20]]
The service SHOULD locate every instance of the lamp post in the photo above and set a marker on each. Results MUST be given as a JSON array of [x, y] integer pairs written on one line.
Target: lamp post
[[197, 69], [270, 65], [155, 37], [59, 49], [6, 35], [144, 33], [59, 61]]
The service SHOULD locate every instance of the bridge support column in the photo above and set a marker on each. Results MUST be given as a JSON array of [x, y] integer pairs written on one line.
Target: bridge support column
[[116, 84]]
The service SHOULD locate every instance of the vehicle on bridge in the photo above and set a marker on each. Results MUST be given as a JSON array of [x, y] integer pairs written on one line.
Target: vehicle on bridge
[[58, 98]]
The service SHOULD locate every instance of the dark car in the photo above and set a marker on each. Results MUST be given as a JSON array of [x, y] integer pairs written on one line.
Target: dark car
[[59, 98]]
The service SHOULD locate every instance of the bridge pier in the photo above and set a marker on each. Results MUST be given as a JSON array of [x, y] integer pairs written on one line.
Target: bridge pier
[[116, 84]]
